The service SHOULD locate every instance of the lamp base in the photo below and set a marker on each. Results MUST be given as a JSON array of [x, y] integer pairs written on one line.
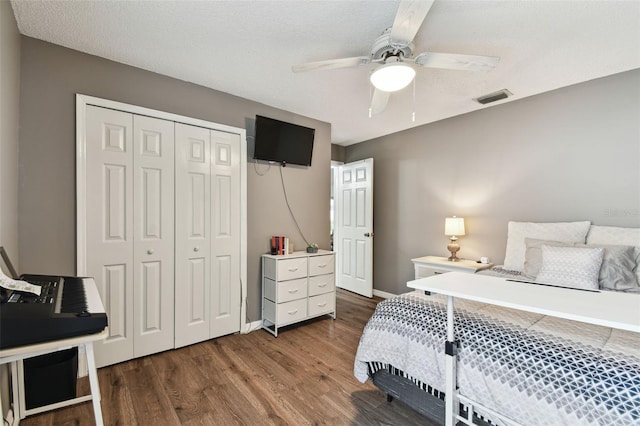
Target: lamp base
[[453, 247]]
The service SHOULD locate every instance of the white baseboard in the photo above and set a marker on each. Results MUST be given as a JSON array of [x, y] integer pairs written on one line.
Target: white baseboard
[[383, 294], [9, 420], [252, 326]]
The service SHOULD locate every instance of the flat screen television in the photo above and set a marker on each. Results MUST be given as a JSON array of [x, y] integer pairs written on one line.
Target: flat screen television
[[283, 142]]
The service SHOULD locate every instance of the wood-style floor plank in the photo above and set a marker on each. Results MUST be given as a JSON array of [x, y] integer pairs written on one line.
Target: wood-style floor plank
[[302, 377]]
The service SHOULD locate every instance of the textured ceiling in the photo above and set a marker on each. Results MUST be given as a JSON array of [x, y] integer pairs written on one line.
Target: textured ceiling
[[247, 48]]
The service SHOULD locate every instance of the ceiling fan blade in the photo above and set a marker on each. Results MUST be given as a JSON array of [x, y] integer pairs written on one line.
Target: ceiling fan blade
[[378, 102], [332, 64], [408, 20], [453, 61]]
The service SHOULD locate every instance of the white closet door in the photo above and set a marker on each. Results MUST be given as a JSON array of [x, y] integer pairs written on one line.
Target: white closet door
[[130, 164], [161, 226], [153, 221], [225, 269], [109, 257], [193, 234]]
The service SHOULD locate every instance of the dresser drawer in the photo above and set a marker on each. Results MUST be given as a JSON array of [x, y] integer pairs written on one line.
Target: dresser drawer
[[320, 265], [321, 284], [292, 290], [322, 304], [424, 271], [293, 311], [285, 291], [290, 269]]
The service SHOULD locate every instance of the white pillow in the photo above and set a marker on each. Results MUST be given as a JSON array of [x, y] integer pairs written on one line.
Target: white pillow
[[566, 232], [613, 235], [617, 236], [574, 267]]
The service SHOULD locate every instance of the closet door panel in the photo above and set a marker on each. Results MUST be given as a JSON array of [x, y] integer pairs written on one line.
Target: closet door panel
[[193, 235], [153, 158], [110, 240], [113, 292], [226, 297]]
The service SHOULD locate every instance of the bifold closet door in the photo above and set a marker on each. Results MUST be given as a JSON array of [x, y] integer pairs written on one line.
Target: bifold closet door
[[193, 234], [153, 226], [225, 268], [130, 234], [109, 136], [207, 234]]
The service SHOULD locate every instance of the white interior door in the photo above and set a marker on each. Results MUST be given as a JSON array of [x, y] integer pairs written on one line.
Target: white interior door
[[193, 234], [153, 257], [225, 206], [353, 239], [208, 224], [130, 230], [162, 229], [109, 257]]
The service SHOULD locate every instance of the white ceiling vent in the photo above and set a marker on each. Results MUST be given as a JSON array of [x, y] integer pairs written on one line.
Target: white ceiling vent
[[493, 97]]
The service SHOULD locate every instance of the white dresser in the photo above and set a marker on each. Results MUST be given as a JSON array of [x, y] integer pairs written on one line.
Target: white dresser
[[296, 287]]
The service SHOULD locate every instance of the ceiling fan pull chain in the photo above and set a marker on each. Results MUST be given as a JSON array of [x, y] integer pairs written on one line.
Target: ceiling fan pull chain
[[413, 115], [370, 101]]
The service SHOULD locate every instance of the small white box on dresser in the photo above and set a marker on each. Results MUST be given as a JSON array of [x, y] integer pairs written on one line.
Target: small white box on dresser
[[296, 287]]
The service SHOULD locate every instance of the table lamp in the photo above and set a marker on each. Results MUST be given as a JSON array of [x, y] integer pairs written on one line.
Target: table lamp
[[453, 228]]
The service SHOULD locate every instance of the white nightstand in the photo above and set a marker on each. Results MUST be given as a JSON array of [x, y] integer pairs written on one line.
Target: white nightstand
[[432, 265]]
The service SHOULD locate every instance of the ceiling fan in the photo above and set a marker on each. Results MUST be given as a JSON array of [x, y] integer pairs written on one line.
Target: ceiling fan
[[394, 50]]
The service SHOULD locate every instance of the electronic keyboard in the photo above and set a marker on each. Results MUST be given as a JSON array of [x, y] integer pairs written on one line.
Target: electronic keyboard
[[66, 307]]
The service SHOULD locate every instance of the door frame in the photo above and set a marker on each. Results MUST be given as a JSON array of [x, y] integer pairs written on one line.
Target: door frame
[[82, 101]]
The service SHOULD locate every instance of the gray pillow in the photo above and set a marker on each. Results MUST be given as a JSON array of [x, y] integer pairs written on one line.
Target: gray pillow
[[616, 272], [533, 254]]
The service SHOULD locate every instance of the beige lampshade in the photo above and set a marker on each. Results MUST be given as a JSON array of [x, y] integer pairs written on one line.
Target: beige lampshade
[[454, 226]]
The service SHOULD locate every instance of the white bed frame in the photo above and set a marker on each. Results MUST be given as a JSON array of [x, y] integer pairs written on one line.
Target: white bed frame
[[605, 308]]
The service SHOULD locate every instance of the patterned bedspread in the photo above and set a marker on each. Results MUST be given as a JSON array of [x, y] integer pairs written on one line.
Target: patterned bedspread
[[534, 369]]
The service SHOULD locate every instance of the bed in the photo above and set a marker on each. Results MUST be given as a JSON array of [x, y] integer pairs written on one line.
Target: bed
[[530, 368]]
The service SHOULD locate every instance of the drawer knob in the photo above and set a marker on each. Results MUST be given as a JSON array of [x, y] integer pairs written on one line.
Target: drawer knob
[[295, 311]]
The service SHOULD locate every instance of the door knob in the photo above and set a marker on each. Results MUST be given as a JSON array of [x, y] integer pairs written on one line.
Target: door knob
[[196, 249], [150, 251], [368, 234]]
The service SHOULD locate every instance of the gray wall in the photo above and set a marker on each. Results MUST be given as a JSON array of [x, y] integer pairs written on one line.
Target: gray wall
[[570, 154], [52, 75], [9, 107], [337, 152]]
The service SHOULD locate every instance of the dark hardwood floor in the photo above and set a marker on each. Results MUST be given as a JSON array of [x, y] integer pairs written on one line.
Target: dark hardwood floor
[[302, 377]]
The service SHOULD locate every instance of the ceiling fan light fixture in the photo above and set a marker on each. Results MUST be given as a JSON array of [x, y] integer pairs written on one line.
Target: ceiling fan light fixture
[[392, 77]]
